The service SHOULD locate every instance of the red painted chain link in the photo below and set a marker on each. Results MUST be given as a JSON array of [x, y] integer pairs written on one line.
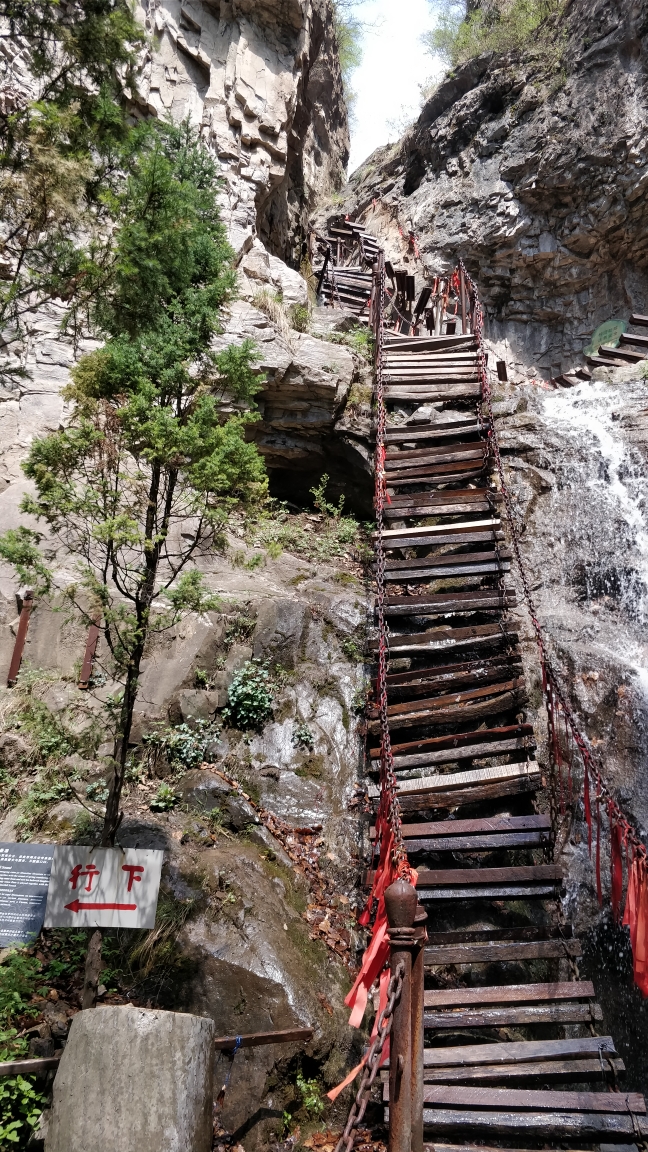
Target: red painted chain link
[[555, 697]]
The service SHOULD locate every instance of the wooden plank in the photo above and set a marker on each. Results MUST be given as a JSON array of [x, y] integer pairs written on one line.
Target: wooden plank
[[522, 874], [446, 782], [429, 683], [455, 602], [429, 532], [446, 496], [519, 932], [490, 892], [257, 1039], [469, 471], [496, 952], [444, 637], [410, 457], [468, 713], [447, 672], [639, 320], [407, 511], [542, 1071], [517, 1051], [467, 752], [634, 338], [437, 560], [476, 794], [457, 739], [480, 843], [597, 1127], [434, 702], [551, 1101], [446, 393], [508, 994], [407, 575], [540, 823], [447, 536], [422, 432], [499, 1017], [393, 341]]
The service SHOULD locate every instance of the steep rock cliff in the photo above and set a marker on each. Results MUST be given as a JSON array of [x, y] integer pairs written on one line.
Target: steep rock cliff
[[533, 168]]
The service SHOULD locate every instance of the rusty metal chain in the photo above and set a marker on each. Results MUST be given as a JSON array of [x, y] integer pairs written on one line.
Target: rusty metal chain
[[372, 1063], [387, 774], [553, 691]]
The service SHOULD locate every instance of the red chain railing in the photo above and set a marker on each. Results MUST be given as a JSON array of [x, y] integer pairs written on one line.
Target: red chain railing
[[623, 835]]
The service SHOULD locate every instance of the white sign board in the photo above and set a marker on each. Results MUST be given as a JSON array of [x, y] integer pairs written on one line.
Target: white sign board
[[103, 888]]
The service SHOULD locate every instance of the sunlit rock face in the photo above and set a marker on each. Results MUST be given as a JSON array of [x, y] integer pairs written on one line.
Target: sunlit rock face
[[536, 174], [262, 81]]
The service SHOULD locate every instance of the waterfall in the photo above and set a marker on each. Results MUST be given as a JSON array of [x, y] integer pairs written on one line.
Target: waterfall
[[599, 508]]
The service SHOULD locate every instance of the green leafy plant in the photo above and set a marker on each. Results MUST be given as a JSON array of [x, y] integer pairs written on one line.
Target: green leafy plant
[[302, 737], [97, 791], [20, 1110], [353, 650], [516, 26], [182, 746], [311, 1095], [249, 697], [359, 340], [165, 799], [300, 317], [21, 977], [202, 678]]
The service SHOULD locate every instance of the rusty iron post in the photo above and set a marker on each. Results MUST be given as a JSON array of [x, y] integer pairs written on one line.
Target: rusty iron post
[[90, 649], [400, 905], [418, 1004], [21, 636], [462, 296]]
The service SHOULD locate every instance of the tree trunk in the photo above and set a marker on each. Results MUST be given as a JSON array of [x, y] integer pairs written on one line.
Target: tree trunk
[[92, 970]]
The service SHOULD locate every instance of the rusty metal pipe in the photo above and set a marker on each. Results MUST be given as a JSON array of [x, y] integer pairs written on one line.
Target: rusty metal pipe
[[21, 636], [417, 1007], [400, 905]]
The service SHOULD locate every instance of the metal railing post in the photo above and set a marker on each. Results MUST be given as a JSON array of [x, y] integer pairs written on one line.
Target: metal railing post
[[417, 1008], [400, 905], [21, 636]]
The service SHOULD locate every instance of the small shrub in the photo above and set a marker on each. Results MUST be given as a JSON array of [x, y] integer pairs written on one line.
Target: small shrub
[[302, 737], [459, 37], [311, 1095], [238, 629], [359, 340], [300, 317], [353, 650], [249, 697], [165, 799], [202, 678], [182, 747], [20, 1109], [97, 791]]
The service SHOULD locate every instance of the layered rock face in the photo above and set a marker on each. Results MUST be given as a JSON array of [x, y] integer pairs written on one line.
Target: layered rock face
[[535, 172], [263, 82]]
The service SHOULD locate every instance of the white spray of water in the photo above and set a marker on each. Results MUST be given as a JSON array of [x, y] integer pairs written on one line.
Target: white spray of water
[[615, 480]]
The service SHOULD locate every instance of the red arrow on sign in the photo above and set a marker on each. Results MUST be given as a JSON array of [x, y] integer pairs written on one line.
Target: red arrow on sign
[[77, 905]]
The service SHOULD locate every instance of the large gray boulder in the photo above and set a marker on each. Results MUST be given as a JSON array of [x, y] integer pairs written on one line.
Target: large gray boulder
[[278, 632], [134, 1080]]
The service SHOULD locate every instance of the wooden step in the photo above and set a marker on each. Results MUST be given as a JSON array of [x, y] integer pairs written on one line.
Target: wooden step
[[622, 354], [464, 712], [543, 1071], [392, 341], [440, 571], [441, 430], [395, 537], [494, 684], [410, 685], [475, 794], [501, 1017], [508, 994], [413, 509], [519, 1052], [485, 826], [451, 781], [442, 603], [396, 393], [436, 496], [527, 882], [531, 1101], [413, 457], [445, 638], [639, 320], [497, 951], [461, 744], [640, 340]]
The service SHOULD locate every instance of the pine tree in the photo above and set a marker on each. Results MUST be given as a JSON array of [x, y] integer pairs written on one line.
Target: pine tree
[[141, 479]]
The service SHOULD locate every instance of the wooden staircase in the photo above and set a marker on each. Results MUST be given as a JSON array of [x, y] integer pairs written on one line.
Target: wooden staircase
[[512, 1057]]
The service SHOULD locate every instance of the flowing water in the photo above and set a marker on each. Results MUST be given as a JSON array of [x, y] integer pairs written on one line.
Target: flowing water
[[600, 506]]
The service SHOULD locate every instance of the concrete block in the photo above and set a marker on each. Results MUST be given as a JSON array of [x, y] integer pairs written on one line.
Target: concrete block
[[134, 1080]]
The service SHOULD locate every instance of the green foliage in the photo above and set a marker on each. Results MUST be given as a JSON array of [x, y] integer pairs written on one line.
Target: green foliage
[[183, 747], [57, 149], [311, 1095], [300, 317], [249, 697], [20, 1109], [21, 976], [148, 448], [165, 799], [359, 340], [302, 737], [42, 795], [348, 32], [277, 531], [512, 27], [19, 547], [239, 629], [353, 650], [97, 792], [322, 504]]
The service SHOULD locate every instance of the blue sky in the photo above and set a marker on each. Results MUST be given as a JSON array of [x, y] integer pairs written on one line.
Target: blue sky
[[393, 67]]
